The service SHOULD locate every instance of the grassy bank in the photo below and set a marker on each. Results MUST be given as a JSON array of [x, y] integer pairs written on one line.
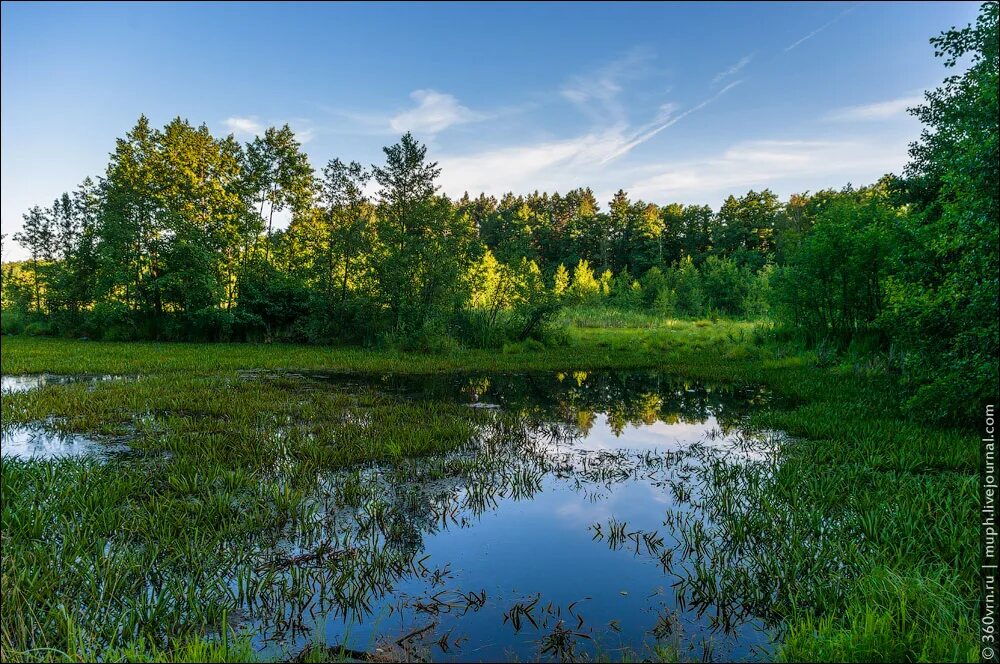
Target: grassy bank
[[863, 541]]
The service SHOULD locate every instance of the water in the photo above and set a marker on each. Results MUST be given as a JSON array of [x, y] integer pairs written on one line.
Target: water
[[13, 384], [580, 522], [569, 539], [39, 441]]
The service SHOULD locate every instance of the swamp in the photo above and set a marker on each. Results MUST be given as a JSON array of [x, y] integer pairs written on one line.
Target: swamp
[[348, 510], [653, 332]]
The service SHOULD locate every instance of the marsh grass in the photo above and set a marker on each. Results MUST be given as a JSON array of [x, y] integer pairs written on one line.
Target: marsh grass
[[859, 540], [135, 554]]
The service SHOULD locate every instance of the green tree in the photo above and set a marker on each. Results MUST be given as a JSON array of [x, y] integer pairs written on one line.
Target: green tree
[[685, 282], [348, 215], [746, 227], [38, 236], [560, 281], [942, 305], [424, 246], [279, 174], [584, 287], [832, 286]]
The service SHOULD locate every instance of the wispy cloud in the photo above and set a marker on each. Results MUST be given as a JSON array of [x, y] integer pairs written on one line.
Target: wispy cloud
[[251, 126], [597, 93], [548, 164], [783, 165], [819, 29], [303, 133], [882, 110], [649, 131], [242, 126], [732, 71], [435, 111]]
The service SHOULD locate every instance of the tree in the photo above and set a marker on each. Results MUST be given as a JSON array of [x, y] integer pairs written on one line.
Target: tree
[[279, 174], [38, 236], [699, 225], [746, 227], [585, 286], [347, 213], [560, 282], [648, 244], [129, 235], [832, 286], [685, 282], [619, 235], [943, 302], [424, 246], [201, 208]]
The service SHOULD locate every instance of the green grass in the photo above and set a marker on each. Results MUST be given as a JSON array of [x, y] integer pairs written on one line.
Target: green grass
[[862, 539], [587, 348]]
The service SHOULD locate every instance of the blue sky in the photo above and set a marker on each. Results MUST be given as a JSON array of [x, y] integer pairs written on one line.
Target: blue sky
[[672, 102]]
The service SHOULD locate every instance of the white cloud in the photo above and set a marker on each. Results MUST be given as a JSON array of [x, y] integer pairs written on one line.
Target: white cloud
[[248, 127], [558, 164], [549, 164], [596, 93], [732, 71], [435, 112], [664, 119], [786, 166], [882, 110], [783, 165], [304, 130], [243, 126]]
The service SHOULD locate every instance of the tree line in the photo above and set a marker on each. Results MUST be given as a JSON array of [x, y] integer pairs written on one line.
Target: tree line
[[177, 240]]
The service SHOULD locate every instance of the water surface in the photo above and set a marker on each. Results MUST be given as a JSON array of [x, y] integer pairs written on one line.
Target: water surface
[[38, 440], [573, 535], [578, 522]]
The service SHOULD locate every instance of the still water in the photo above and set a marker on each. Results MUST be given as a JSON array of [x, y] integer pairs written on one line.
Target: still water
[[575, 534], [578, 523], [37, 441]]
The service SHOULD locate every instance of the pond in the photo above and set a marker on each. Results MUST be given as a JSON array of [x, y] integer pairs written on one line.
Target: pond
[[12, 384], [580, 521], [578, 531]]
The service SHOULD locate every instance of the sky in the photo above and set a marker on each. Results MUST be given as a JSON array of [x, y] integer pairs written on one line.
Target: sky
[[672, 102]]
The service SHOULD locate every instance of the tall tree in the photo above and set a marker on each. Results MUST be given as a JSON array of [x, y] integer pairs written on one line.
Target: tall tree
[[348, 220], [38, 236], [943, 305], [280, 174], [423, 245], [746, 227]]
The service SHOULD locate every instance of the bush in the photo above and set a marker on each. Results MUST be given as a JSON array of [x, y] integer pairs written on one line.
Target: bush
[[12, 321], [725, 285], [112, 321]]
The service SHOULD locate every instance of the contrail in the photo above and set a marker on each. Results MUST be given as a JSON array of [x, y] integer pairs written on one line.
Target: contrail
[[733, 70], [821, 28], [645, 134], [643, 137]]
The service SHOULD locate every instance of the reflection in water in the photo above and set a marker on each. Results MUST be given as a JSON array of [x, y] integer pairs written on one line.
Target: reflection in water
[[11, 384], [43, 442], [39, 442], [578, 523]]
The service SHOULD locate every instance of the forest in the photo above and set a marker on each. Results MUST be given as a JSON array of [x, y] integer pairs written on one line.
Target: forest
[[177, 241]]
